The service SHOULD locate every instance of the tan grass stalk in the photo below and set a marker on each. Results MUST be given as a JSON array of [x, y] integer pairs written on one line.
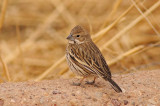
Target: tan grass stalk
[[36, 62], [111, 51], [30, 41], [63, 71], [5, 47], [114, 9], [6, 72], [132, 24], [90, 26], [19, 46], [46, 72], [66, 13], [151, 15], [68, 74], [3, 12], [148, 47], [100, 34], [129, 52], [141, 67], [149, 22]]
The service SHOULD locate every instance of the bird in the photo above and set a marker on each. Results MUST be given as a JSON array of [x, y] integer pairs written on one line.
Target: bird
[[85, 59]]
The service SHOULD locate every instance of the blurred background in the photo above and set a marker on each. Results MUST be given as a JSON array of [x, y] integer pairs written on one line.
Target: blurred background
[[33, 35]]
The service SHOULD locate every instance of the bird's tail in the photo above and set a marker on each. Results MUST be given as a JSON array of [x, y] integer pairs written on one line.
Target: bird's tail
[[114, 85]]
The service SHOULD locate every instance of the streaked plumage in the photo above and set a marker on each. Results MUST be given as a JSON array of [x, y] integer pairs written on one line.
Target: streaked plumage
[[85, 59]]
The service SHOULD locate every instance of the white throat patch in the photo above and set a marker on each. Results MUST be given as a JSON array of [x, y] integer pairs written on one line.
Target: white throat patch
[[70, 41], [78, 42]]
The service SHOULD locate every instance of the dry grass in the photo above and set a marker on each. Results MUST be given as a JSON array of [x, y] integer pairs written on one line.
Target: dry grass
[[32, 37]]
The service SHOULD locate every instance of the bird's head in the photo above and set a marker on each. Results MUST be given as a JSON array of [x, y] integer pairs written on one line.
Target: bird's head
[[78, 35]]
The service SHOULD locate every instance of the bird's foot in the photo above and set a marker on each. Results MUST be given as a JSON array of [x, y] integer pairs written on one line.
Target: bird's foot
[[76, 84], [90, 82]]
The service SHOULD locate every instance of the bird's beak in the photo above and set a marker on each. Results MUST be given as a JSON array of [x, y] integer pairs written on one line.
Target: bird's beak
[[70, 38]]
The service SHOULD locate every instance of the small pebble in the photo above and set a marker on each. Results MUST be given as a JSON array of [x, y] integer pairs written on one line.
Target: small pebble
[[88, 97], [24, 99], [1, 102], [98, 94], [78, 92], [152, 101], [30, 97], [56, 92], [115, 102], [53, 100], [128, 96], [125, 102], [73, 102], [43, 88], [133, 103], [12, 100], [73, 94], [94, 99], [41, 100]]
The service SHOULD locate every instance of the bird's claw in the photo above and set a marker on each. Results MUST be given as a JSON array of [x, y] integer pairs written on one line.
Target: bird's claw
[[90, 82]]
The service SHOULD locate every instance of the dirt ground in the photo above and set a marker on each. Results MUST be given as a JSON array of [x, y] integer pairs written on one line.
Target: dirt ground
[[139, 89]]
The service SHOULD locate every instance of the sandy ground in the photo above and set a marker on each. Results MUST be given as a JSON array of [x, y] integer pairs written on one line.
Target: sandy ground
[[139, 88]]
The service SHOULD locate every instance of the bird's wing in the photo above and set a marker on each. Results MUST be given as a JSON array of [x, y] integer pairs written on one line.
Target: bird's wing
[[91, 57]]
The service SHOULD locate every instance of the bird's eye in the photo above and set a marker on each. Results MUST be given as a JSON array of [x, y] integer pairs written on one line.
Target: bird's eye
[[78, 35]]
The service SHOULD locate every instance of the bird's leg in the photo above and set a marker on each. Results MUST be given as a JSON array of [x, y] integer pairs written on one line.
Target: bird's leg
[[78, 84], [91, 82]]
